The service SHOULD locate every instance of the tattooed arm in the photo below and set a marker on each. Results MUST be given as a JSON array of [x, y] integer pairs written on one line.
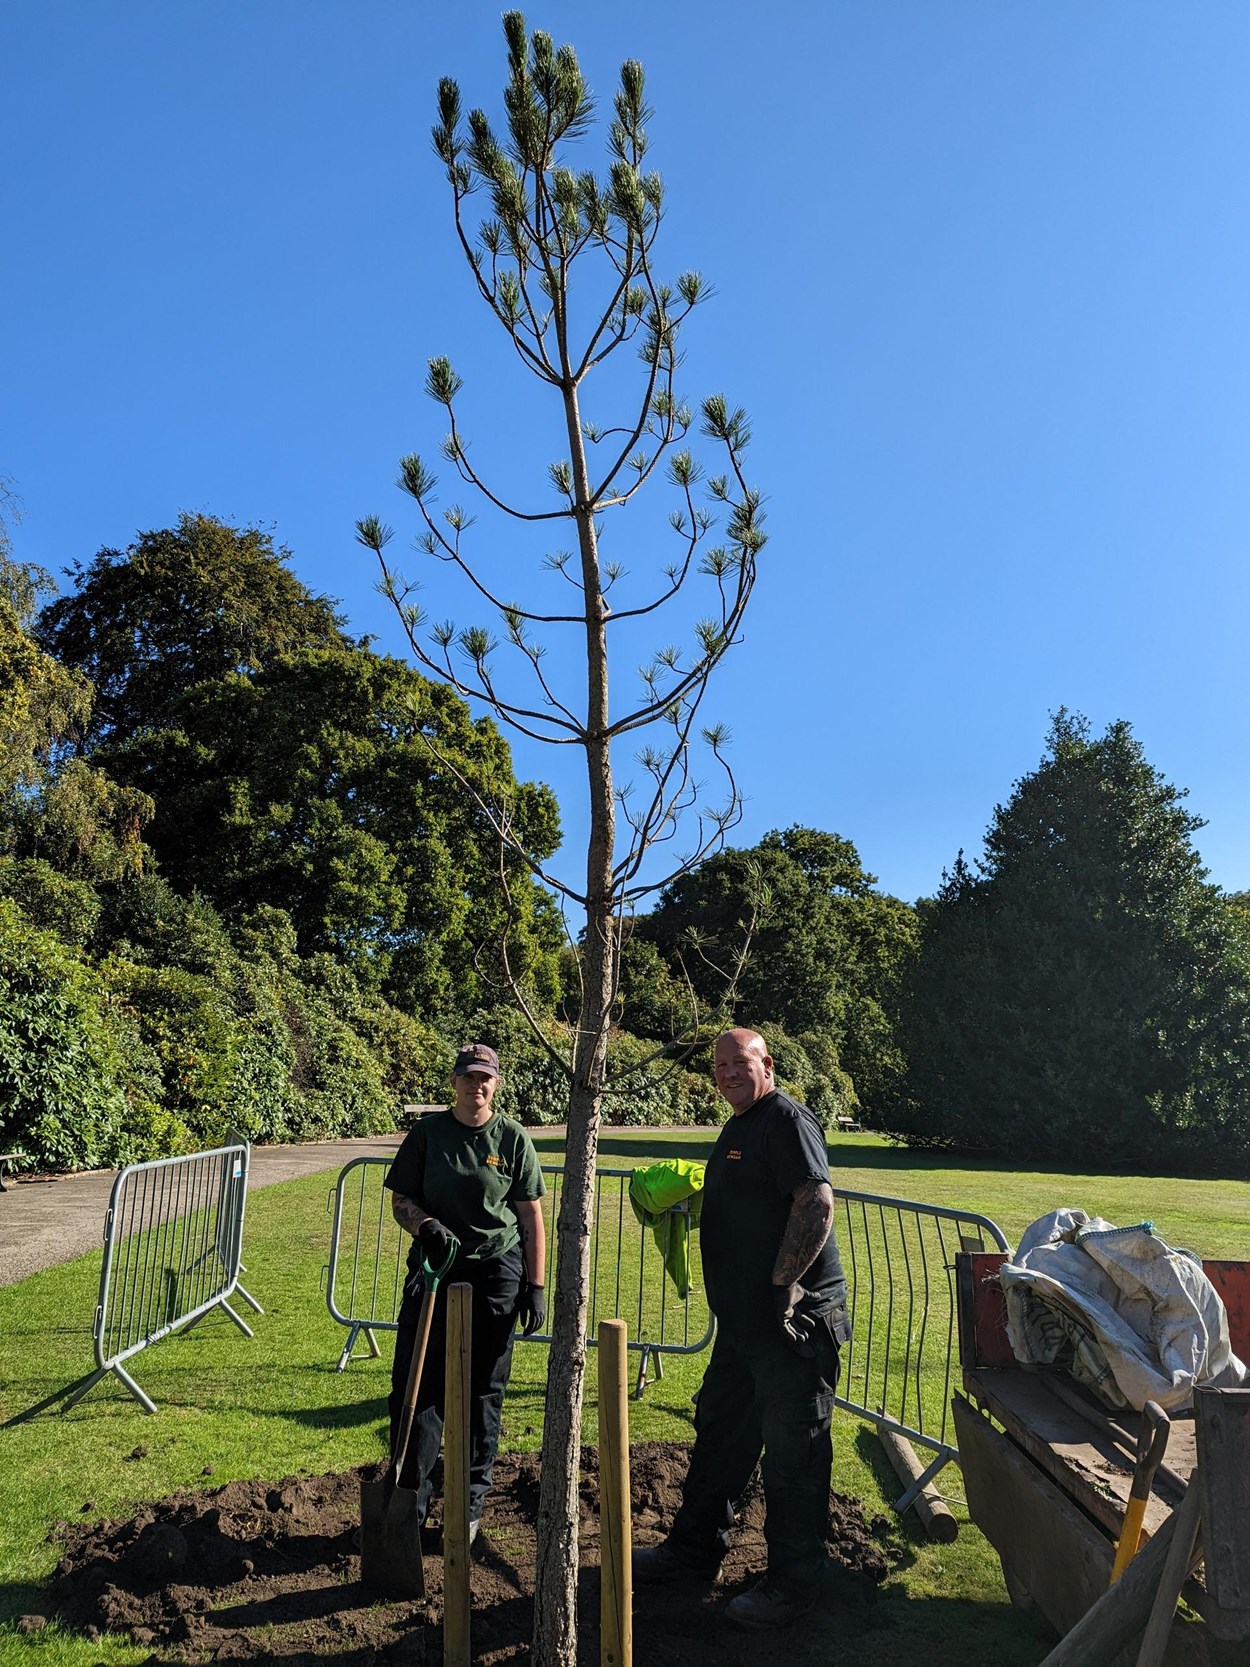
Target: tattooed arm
[[811, 1217], [408, 1213], [529, 1216]]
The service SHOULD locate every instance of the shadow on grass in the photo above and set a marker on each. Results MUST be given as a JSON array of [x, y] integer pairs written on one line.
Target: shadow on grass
[[873, 1455], [354, 1415], [22, 1597], [947, 1624]]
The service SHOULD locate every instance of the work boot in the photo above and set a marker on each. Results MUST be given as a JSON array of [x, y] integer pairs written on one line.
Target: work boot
[[768, 1605], [658, 1565]]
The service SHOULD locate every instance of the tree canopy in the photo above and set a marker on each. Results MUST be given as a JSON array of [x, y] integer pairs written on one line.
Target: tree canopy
[[826, 948], [290, 766], [310, 787], [181, 606], [1082, 990]]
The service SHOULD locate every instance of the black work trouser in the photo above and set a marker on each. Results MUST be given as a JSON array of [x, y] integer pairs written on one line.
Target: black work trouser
[[759, 1396], [496, 1285]]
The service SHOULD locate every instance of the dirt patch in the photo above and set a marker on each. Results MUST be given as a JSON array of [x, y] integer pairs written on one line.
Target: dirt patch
[[257, 1570]]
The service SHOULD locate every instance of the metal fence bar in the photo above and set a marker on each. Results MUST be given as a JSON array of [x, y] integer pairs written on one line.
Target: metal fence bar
[[173, 1237], [364, 1277], [898, 1367]]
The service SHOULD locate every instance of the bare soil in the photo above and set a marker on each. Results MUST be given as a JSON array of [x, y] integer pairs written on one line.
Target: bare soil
[[267, 1571]]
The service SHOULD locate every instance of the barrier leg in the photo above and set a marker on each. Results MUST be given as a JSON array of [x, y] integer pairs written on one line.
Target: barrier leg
[[919, 1483], [144, 1399], [348, 1346], [247, 1295], [242, 1324], [84, 1387]]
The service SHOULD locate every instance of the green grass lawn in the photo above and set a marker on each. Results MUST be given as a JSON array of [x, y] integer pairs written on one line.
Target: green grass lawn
[[275, 1405]]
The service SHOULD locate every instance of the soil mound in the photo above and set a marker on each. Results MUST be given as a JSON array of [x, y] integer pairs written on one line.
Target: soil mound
[[267, 1571]]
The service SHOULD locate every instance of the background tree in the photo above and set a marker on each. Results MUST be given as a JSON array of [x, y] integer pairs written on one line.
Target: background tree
[[826, 954], [547, 222], [53, 806], [182, 606], [287, 767], [135, 1021], [1083, 993]]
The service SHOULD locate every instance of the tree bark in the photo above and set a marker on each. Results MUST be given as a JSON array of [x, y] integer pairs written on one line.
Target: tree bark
[[555, 1594]]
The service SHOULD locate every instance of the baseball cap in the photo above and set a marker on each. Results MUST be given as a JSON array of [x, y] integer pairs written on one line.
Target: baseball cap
[[476, 1057]]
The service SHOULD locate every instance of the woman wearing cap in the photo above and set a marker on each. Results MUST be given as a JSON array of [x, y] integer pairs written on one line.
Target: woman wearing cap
[[472, 1172]]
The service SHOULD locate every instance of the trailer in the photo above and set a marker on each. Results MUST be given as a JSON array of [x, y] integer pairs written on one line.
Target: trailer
[[1048, 1472]]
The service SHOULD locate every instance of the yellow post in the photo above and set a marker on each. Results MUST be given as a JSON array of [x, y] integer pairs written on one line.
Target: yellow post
[[616, 1587], [456, 1478]]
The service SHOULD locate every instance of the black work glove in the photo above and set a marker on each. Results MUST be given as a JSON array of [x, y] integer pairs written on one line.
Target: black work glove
[[792, 1305], [434, 1240], [531, 1308]]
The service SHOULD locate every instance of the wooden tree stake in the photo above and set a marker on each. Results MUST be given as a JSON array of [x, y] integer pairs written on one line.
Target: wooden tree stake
[[456, 1648], [616, 1595]]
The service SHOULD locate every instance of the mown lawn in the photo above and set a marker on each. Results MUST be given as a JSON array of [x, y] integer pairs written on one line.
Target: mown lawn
[[275, 1405]]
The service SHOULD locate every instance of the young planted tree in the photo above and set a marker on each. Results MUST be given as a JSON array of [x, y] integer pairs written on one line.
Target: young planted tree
[[565, 263]]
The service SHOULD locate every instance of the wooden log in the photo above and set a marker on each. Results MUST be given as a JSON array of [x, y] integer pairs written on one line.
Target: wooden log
[[929, 1506], [616, 1607], [456, 1594]]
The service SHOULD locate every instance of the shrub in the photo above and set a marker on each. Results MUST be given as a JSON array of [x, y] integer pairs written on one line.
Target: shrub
[[62, 1099], [52, 901]]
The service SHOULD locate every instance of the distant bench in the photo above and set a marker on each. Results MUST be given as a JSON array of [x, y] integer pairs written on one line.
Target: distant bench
[[848, 1125]]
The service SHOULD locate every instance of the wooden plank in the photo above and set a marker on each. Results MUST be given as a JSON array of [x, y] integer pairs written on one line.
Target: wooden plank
[[1223, 1431], [1092, 1467], [1054, 1558]]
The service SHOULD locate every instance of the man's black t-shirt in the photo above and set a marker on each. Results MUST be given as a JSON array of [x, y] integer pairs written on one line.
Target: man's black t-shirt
[[761, 1157]]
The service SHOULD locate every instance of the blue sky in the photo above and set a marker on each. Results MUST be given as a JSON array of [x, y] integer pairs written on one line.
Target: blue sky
[[982, 278]]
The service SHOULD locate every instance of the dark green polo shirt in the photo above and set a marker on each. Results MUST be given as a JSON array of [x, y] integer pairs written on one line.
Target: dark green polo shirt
[[469, 1179]]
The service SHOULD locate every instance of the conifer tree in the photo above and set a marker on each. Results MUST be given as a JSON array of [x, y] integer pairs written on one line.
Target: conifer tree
[[564, 261]]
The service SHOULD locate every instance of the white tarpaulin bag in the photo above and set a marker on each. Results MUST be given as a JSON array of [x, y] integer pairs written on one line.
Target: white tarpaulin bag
[[1128, 1316]]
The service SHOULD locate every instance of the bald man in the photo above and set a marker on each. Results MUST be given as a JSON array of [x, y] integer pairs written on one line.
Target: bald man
[[775, 1283]]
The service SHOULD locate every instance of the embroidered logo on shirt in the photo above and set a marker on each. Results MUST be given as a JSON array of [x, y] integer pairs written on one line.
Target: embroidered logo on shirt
[[494, 1160], [733, 1152]]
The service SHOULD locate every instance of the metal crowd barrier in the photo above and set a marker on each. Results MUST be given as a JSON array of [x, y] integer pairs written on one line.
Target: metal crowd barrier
[[899, 1368], [173, 1237], [364, 1278]]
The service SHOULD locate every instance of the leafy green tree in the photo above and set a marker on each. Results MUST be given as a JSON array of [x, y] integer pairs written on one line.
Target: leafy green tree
[[54, 806], [41, 701], [289, 766], [182, 606], [1083, 993], [565, 263], [826, 956], [309, 786], [66, 1063]]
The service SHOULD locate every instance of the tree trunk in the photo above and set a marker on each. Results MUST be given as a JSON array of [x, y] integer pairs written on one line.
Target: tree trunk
[[555, 1594]]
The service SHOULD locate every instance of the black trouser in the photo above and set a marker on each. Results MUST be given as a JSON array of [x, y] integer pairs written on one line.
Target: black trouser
[[496, 1285], [760, 1396]]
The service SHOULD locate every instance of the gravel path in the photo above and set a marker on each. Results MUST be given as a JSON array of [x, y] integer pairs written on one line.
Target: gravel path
[[43, 1222]]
